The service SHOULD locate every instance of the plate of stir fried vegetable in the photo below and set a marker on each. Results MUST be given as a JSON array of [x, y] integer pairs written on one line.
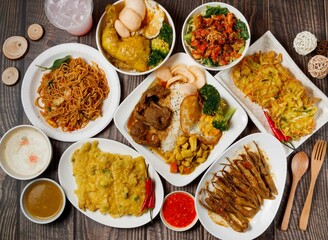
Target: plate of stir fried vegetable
[[239, 195], [216, 35]]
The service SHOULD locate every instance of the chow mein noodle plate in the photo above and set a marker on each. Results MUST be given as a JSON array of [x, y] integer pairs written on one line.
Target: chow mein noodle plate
[[70, 93]]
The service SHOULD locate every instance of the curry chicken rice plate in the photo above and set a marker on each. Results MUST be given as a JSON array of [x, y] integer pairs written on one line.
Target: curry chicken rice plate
[[180, 115], [135, 36]]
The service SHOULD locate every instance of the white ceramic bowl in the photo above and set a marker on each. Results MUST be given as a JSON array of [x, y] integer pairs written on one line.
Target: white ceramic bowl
[[179, 229], [201, 9], [25, 152], [45, 220], [99, 30]]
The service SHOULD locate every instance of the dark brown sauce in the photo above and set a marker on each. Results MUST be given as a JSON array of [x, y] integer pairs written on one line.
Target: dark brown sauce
[[43, 199], [131, 120]]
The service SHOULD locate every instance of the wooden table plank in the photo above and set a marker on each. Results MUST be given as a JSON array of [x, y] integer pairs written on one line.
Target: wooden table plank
[[284, 18]]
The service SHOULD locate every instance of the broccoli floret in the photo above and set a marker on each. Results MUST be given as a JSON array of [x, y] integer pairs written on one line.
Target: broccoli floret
[[216, 107], [160, 45], [155, 57], [166, 33], [221, 121], [211, 98]]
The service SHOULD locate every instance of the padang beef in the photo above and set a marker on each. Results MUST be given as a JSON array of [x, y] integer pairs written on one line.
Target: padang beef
[[148, 110], [157, 117], [141, 134]]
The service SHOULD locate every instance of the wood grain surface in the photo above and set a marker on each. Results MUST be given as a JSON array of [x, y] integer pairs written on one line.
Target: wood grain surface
[[283, 18]]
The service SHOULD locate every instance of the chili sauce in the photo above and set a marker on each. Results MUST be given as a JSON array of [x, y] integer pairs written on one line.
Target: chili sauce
[[179, 210]]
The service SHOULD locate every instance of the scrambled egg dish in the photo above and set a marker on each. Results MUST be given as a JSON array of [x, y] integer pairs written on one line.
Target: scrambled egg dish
[[263, 79], [111, 183]]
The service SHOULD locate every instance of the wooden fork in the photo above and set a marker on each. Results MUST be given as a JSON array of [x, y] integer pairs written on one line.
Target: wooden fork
[[317, 158]]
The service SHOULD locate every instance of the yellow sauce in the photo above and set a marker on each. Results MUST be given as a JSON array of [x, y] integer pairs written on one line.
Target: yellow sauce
[[43, 200]]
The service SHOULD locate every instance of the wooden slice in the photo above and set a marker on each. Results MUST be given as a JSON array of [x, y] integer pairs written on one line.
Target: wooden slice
[[35, 31], [10, 76], [15, 47]]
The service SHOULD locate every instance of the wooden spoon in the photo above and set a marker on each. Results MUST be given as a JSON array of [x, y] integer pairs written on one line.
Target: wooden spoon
[[300, 163]]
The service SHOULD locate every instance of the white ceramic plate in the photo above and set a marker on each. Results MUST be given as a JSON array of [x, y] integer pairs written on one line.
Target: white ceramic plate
[[67, 181], [265, 43], [32, 80], [261, 221], [238, 123]]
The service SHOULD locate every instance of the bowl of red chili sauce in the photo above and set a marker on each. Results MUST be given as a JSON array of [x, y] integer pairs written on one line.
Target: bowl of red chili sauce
[[216, 36], [178, 211]]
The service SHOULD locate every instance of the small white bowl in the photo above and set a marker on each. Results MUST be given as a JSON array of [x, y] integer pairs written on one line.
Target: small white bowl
[[62, 199], [25, 152], [178, 229], [101, 25], [201, 9]]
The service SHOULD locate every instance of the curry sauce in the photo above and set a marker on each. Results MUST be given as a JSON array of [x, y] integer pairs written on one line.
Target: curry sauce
[[43, 200]]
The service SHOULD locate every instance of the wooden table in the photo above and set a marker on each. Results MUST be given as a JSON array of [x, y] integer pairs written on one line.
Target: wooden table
[[283, 18]]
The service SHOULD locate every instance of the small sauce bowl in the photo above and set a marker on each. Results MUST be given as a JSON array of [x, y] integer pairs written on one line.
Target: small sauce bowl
[[42, 200], [25, 152], [178, 211]]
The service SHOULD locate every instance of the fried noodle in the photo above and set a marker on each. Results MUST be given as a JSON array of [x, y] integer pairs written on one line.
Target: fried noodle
[[72, 95]]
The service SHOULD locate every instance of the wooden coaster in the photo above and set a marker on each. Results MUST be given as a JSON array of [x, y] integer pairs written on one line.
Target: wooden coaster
[[14, 47], [35, 31], [10, 76]]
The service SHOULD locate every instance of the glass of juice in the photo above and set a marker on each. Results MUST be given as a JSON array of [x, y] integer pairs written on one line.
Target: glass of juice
[[73, 16]]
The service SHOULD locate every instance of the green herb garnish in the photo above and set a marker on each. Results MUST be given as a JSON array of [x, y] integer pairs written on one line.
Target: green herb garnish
[[208, 62], [215, 11], [187, 37], [241, 26], [57, 63]]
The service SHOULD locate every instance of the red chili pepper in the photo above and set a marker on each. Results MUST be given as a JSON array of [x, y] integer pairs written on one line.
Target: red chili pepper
[[277, 133], [151, 203], [148, 191], [287, 138]]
